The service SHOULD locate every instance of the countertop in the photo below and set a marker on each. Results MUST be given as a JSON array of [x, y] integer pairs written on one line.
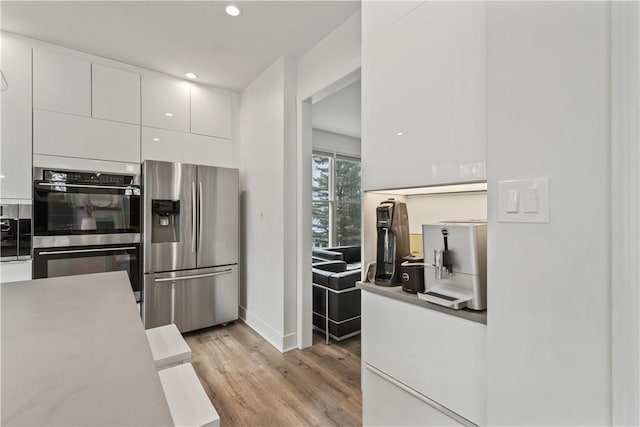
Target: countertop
[[396, 292], [74, 352]]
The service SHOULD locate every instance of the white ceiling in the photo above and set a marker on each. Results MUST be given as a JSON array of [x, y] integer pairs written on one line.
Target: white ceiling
[[179, 36], [340, 112]]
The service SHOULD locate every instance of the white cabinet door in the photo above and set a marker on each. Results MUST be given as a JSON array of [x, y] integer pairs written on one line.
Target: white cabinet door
[[61, 83], [423, 97], [16, 69], [170, 146], [115, 94], [386, 402], [165, 102], [15, 153], [67, 135], [15, 150], [15, 271], [210, 112], [440, 356]]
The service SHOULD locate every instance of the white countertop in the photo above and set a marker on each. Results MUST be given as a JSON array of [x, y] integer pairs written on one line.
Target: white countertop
[[74, 352]]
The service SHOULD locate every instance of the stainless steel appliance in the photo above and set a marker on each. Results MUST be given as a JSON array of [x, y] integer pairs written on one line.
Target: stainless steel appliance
[[86, 222], [392, 223], [15, 227], [457, 277], [190, 244]]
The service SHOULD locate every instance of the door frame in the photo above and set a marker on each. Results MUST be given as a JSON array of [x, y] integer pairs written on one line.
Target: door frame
[[303, 219], [625, 213]]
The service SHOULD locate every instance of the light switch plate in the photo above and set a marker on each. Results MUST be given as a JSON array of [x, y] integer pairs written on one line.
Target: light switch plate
[[534, 200]]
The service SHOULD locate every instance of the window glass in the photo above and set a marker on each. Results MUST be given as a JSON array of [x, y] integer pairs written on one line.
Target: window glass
[[336, 211]]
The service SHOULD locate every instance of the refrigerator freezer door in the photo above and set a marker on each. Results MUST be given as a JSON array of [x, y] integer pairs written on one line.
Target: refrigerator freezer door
[[164, 181], [218, 198], [192, 299]]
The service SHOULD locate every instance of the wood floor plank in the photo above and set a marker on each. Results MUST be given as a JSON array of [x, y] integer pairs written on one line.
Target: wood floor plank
[[252, 384]]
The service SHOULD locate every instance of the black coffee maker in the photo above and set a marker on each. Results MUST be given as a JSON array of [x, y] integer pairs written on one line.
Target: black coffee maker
[[392, 223]]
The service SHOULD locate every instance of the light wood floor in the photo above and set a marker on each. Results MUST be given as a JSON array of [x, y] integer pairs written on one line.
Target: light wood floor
[[252, 384]]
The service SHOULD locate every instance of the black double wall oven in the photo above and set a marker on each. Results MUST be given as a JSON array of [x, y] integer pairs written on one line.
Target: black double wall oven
[[86, 222]]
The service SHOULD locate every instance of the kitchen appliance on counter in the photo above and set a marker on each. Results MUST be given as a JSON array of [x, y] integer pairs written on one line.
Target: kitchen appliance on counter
[[15, 228], [457, 276], [412, 273], [86, 222], [392, 223], [190, 245]]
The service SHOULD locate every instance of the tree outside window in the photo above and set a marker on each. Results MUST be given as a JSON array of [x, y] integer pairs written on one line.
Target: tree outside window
[[336, 199]]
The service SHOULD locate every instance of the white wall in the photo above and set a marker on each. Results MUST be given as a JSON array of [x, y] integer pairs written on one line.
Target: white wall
[[332, 58], [549, 284], [332, 63], [432, 208], [333, 142], [265, 143]]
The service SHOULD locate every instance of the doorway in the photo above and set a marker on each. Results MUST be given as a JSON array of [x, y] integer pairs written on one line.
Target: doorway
[[336, 215]]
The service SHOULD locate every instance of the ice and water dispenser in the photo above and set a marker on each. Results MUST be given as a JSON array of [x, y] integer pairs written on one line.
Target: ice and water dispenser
[[165, 221]]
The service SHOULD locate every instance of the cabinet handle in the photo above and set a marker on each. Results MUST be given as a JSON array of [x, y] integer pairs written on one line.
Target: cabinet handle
[[424, 399], [83, 251], [195, 276]]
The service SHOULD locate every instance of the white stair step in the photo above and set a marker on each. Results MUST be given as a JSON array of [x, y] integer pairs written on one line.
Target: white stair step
[[188, 403], [167, 346]]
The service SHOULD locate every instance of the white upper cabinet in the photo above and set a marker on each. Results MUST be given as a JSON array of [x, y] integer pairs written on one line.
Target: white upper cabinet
[[57, 134], [115, 94], [165, 103], [210, 112], [61, 83], [171, 146], [16, 69], [15, 150], [423, 97]]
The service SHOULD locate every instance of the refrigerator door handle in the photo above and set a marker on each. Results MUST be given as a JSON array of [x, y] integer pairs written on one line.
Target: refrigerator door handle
[[199, 216], [193, 217], [195, 276]]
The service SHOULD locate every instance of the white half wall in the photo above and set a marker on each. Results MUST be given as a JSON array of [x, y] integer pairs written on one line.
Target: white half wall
[[549, 298], [333, 142], [267, 297]]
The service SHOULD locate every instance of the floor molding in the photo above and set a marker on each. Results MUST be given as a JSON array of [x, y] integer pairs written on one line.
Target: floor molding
[[273, 337]]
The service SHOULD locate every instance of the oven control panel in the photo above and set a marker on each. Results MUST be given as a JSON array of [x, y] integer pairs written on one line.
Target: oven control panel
[[87, 177]]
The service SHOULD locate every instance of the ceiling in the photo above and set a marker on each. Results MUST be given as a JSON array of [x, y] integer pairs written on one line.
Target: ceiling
[[179, 36], [339, 112]]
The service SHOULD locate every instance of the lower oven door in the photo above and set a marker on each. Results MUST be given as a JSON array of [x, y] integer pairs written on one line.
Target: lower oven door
[[74, 260]]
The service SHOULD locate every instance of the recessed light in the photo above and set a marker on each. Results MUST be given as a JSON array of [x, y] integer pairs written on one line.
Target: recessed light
[[399, 133], [156, 139], [191, 75], [1, 176], [168, 114], [232, 10]]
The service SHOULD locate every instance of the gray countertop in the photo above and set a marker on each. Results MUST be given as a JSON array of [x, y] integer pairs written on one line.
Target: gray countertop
[[74, 352], [396, 292]]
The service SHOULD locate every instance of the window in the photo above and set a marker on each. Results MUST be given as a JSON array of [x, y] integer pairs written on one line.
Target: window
[[336, 213]]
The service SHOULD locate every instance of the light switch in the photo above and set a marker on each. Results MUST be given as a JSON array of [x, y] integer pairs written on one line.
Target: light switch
[[531, 204], [513, 199], [524, 200]]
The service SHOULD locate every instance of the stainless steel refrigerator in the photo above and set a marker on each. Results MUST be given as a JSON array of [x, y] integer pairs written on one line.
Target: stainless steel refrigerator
[[190, 245]]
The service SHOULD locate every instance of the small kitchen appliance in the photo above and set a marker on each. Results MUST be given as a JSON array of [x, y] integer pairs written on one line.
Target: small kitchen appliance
[[412, 273], [456, 277], [392, 223]]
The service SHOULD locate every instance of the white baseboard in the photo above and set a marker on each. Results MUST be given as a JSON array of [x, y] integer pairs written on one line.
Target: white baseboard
[[273, 337]]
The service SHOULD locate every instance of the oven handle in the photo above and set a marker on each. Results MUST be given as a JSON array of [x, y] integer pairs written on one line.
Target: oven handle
[[195, 276], [82, 251], [64, 184]]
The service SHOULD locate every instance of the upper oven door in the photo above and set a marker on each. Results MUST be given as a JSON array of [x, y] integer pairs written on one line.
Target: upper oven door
[[71, 209]]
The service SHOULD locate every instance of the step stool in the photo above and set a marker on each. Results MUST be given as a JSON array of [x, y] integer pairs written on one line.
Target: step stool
[[188, 403], [167, 346]]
